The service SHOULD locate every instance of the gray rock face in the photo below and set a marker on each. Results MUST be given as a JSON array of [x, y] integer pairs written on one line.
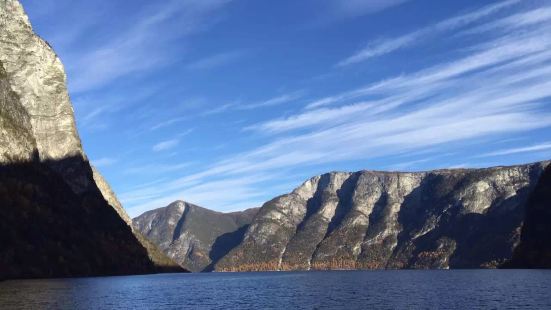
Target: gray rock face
[[463, 218], [38, 79], [194, 237], [17, 142]]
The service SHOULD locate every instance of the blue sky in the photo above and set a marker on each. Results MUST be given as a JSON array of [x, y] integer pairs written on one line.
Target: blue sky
[[228, 104]]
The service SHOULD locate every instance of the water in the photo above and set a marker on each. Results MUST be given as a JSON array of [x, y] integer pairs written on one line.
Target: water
[[405, 289]]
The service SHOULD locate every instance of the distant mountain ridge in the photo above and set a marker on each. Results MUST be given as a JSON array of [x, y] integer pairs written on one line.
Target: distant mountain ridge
[[454, 218], [449, 218], [193, 236]]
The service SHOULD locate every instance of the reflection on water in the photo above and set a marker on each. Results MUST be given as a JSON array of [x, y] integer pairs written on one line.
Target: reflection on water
[[458, 289]]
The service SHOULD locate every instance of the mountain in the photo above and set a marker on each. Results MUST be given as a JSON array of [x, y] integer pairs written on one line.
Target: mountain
[[455, 218], [194, 237], [161, 260], [55, 221], [534, 250]]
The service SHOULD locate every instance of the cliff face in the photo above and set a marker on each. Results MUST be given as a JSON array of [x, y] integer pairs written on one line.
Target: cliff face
[[55, 221], [36, 77], [464, 218], [162, 261], [194, 237], [534, 250]]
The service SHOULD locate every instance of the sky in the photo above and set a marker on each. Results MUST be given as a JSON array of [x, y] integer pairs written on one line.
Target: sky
[[229, 103]]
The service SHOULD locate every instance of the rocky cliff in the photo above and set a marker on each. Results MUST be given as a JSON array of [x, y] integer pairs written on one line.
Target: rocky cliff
[[161, 260], [55, 221], [534, 250], [194, 237], [461, 218]]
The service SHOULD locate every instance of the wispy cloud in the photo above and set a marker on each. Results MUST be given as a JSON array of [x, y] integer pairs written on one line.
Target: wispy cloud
[[232, 106], [533, 148], [92, 111], [90, 117], [353, 8], [385, 46], [490, 76], [285, 98], [238, 105], [143, 46], [169, 122], [104, 162], [214, 61], [166, 145], [496, 89], [156, 168], [219, 194], [219, 109], [532, 17], [409, 165]]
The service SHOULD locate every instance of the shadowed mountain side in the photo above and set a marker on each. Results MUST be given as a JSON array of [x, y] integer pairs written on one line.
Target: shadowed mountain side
[[224, 244], [47, 230], [156, 255], [161, 261], [534, 250], [194, 237]]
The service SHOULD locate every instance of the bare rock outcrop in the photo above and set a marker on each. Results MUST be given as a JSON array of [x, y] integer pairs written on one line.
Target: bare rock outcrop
[[457, 218]]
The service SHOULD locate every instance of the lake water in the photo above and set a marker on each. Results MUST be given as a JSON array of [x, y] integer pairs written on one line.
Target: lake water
[[404, 289]]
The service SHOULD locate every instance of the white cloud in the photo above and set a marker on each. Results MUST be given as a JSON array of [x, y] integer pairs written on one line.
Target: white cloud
[[219, 109], [143, 47], [104, 162], [533, 148], [285, 98], [492, 76], [408, 165], [497, 89], [149, 169], [385, 46], [166, 145], [282, 99], [93, 111], [354, 8], [218, 194], [529, 18], [90, 117], [169, 122], [214, 61]]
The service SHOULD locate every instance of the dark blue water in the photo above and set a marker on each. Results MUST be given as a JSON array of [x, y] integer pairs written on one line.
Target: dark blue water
[[458, 289]]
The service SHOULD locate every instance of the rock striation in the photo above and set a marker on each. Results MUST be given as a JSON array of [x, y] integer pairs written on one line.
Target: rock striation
[[55, 221], [194, 237], [457, 218]]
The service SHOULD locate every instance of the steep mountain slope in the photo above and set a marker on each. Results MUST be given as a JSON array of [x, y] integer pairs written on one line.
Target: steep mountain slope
[[161, 260], [463, 218], [194, 237], [54, 220], [534, 250]]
